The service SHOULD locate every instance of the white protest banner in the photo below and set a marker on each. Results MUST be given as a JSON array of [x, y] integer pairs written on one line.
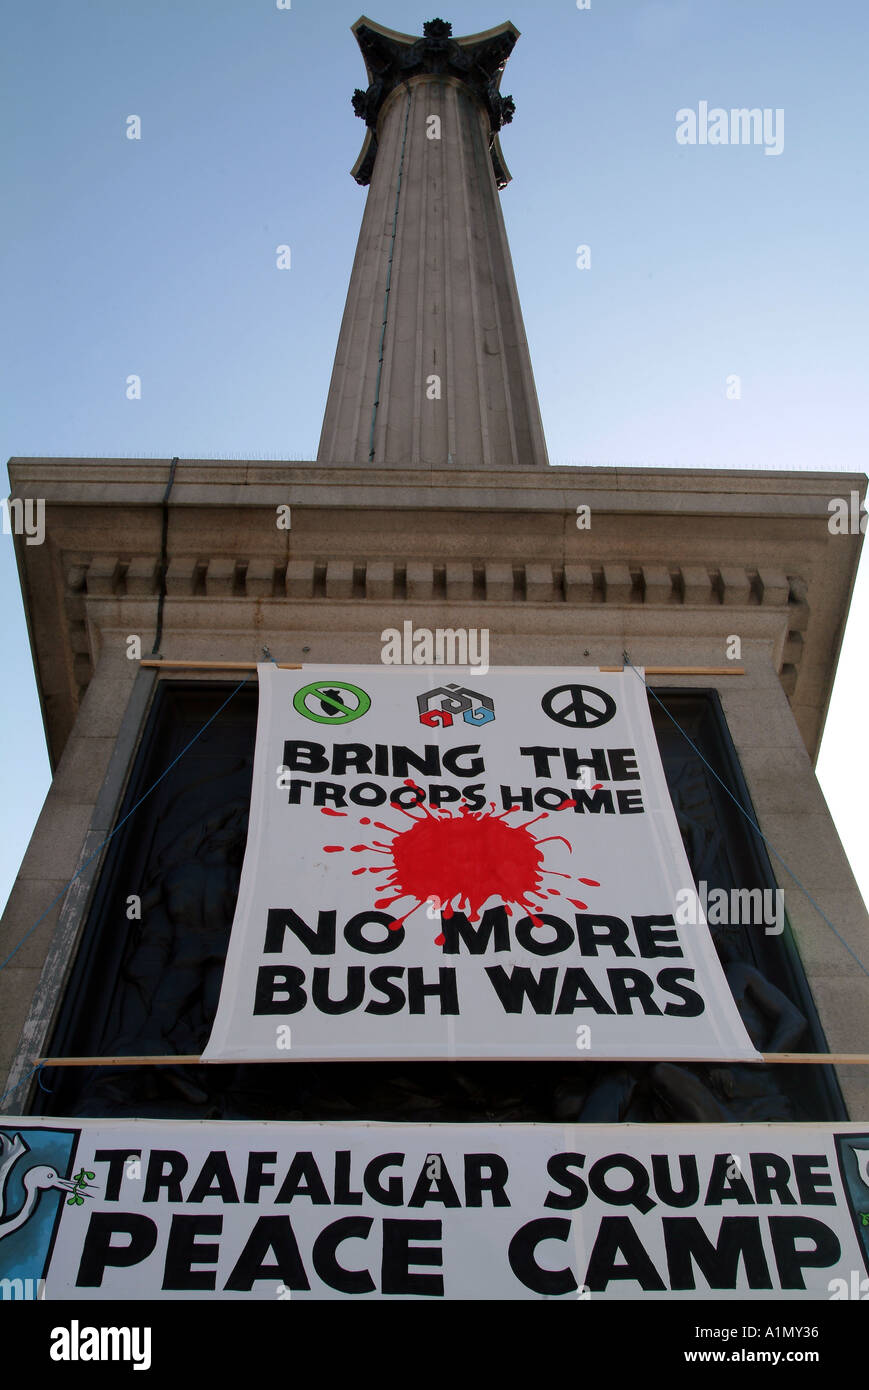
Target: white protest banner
[[444, 868], [151, 1209]]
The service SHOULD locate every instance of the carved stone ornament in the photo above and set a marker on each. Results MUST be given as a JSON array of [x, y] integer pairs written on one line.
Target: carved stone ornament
[[392, 59]]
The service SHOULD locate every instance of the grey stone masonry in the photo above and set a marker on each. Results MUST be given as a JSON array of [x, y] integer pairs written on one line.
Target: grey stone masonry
[[674, 566]]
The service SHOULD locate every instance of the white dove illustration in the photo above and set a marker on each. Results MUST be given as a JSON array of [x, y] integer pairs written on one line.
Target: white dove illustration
[[38, 1179], [862, 1157]]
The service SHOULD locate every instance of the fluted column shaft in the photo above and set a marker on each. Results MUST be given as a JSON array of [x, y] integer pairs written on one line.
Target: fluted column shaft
[[449, 381]]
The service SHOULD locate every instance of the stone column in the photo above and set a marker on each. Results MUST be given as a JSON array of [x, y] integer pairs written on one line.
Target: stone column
[[432, 368]]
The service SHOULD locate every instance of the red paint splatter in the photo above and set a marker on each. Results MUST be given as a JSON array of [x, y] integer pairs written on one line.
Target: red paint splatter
[[328, 812], [465, 858], [462, 860]]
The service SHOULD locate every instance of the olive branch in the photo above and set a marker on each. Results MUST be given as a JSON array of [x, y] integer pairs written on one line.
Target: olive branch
[[79, 1192]]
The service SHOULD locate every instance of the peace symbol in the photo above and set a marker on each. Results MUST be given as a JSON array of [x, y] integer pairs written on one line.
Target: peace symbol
[[579, 706]]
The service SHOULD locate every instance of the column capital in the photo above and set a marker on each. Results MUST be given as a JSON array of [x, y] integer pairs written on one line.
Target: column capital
[[391, 59]]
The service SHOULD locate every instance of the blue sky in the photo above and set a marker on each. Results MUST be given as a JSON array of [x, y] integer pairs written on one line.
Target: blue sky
[[157, 257]]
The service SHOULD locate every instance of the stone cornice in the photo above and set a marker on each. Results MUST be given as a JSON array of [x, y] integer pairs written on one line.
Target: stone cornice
[[228, 482], [671, 554]]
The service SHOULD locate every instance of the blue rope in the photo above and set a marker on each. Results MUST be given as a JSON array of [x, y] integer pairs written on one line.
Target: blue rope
[[38, 1069], [114, 832], [752, 822]]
